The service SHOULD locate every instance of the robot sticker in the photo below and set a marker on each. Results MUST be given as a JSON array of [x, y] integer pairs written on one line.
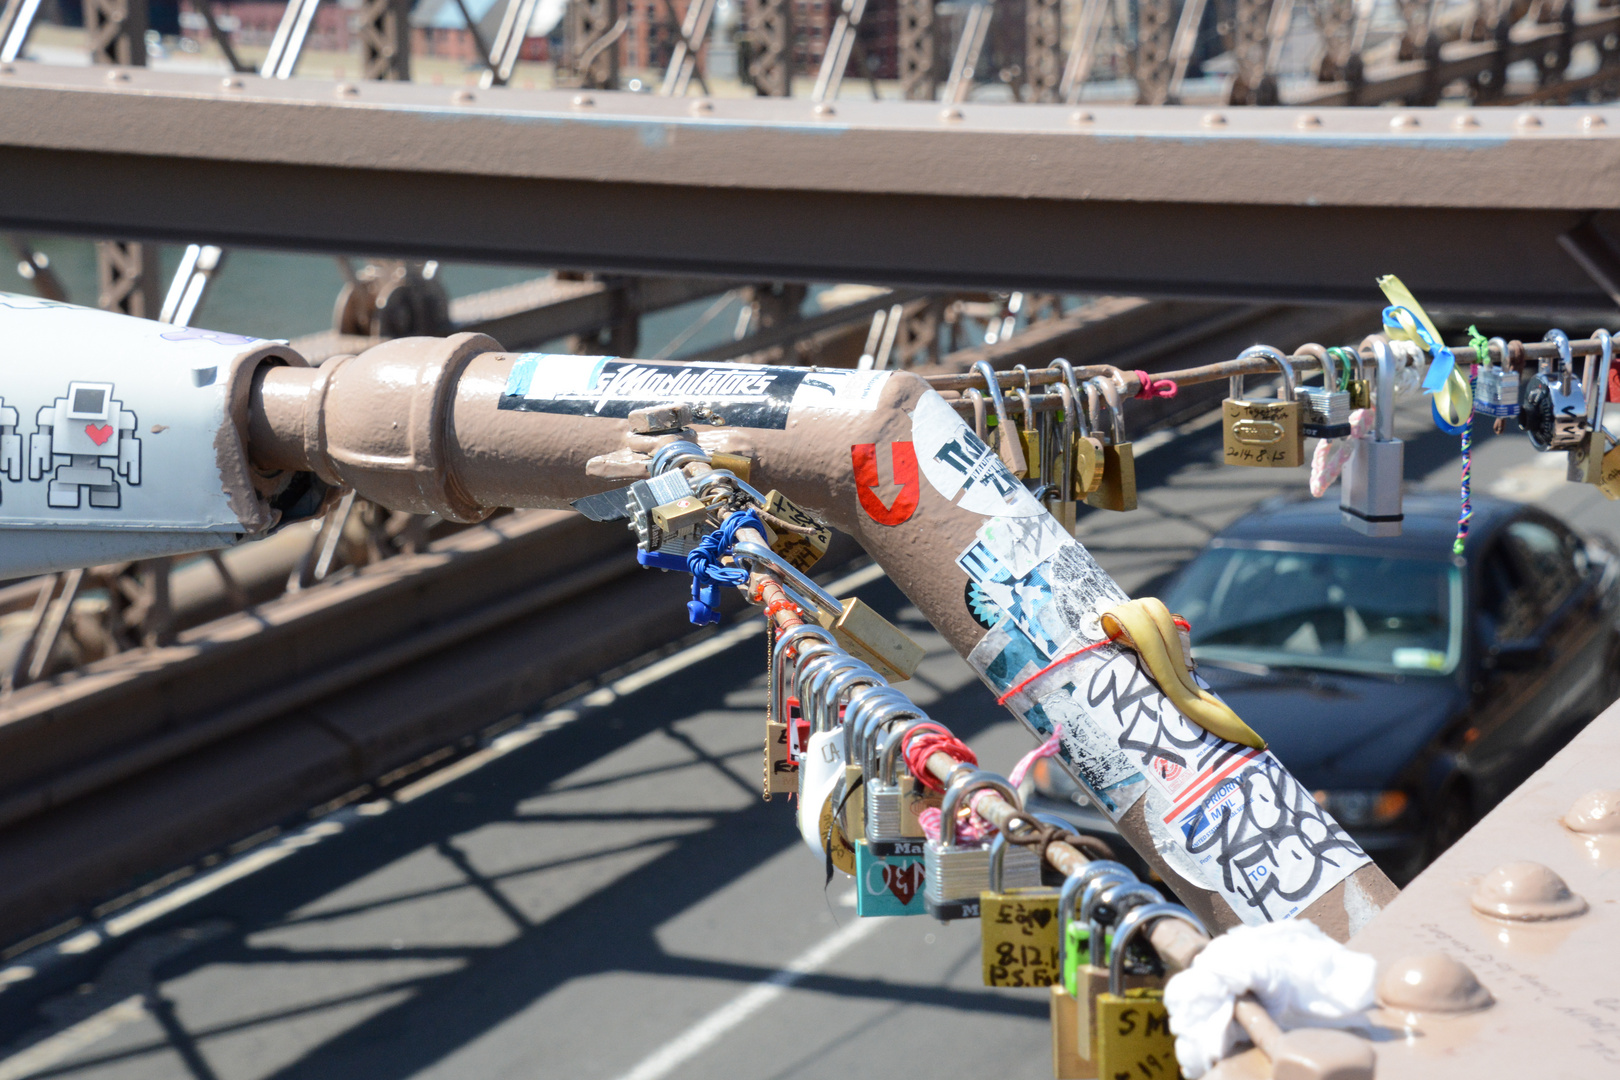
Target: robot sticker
[[82, 443], [10, 444]]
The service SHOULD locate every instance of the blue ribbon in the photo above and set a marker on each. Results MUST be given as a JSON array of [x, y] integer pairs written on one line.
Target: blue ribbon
[[1444, 359], [708, 575]]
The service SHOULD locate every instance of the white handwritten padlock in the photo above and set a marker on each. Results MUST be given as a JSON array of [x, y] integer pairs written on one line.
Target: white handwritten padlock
[[1264, 432], [822, 768], [1004, 435], [1496, 391], [1586, 458], [1552, 410], [1370, 491], [957, 872], [1133, 1027], [1326, 412]]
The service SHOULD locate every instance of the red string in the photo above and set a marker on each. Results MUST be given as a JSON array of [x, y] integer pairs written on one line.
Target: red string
[[1002, 700], [924, 743], [1156, 388]]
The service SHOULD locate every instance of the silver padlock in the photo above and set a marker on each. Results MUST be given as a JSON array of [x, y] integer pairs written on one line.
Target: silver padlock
[[1370, 493], [883, 779], [1586, 459], [1552, 410], [1102, 906], [1497, 392], [955, 873], [1326, 408]]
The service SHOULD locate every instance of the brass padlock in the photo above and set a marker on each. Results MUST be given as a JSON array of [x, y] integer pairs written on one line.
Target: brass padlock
[[871, 638], [1609, 475], [802, 551], [1133, 1026], [1117, 491], [1586, 458], [1018, 929], [1004, 440], [1071, 1039], [1029, 437], [1265, 432], [1359, 386]]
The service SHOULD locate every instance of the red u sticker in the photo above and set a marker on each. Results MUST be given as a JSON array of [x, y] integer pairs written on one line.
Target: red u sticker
[[904, 457]]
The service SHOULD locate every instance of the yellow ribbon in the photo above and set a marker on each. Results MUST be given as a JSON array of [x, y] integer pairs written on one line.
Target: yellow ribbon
[[1147, 627], [1454, 401]]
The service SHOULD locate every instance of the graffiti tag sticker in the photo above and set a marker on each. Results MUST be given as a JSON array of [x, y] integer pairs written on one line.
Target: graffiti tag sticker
[[733, 395]]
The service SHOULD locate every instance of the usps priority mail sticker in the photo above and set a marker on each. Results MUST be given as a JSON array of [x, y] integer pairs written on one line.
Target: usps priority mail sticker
[[732, 395]]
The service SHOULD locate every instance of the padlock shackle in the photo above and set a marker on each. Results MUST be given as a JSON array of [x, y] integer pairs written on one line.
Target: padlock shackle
[[806, 593], [846, 681], [864, 705], [1023, 372], [1597, 382], [973, 781], [881, 717], [1092, 898], [677, 454], [713, 476], [997, 399], [812, 686], [998, 846], [888, 771], [1268, 353], [980, 425], [780, 664], [1100, 386], [1566, 355], [1069, 897], [821, 697], [1384, 357], [1135, 923], [1071, 406]]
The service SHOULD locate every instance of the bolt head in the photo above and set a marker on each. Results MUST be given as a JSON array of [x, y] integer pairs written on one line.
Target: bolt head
[[344, 89], [702, 107], [230, 82], [1308, 120], [1465, 122], [1432, 983], [1596, 813], [1214, 120], [1526, 892], [1405, 121], [583, 101], [1592, 121], [1081, 117], [463, 97]]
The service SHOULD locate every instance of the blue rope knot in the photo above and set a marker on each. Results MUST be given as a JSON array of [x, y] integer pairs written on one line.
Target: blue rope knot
[[707, 573]]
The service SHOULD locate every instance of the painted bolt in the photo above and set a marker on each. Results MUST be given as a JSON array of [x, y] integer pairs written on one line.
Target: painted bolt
[[1432, 983], [1526, 892]]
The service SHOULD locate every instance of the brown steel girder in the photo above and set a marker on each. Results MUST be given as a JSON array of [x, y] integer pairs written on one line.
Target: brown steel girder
[[1274, 204]]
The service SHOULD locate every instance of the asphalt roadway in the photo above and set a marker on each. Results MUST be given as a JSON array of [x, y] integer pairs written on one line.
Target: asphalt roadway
[[604, 894]]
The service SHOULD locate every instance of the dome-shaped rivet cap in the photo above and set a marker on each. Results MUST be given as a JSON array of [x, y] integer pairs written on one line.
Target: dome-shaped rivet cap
[[1525, 892], [1432, 983]]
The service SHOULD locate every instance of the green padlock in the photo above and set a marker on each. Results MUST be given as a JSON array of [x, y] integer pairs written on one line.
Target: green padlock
[[1133, 1026]]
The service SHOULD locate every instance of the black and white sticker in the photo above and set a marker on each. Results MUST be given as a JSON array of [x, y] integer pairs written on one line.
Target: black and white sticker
[[733, 395]]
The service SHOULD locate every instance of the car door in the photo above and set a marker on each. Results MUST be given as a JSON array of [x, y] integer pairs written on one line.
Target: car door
[[1539, 655]]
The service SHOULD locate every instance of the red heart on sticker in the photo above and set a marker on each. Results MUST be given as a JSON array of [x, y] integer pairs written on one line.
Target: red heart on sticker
[[904, 881], [98, 435]]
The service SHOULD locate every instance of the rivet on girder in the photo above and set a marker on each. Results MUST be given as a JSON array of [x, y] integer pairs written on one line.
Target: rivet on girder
[[117, 75], [1526, 892], [230, 82], [1591, 122], [1465, 121], [7, 69], [1404, 120], [1081, 117], [950, 114], [1214, 119], [344, 89], [583, 101], [1594, 814], [1432, 983], [463, 97], [1528, 120], [702, 107], [823, 109], [1309, 120]]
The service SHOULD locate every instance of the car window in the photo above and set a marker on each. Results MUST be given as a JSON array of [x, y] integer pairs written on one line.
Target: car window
[[1548, 558], [1507, 597]]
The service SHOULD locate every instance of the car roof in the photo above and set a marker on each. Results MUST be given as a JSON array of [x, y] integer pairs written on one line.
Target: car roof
[[1428, 531]]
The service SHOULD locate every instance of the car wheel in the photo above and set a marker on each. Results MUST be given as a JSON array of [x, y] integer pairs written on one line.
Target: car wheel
[[1453, 816]]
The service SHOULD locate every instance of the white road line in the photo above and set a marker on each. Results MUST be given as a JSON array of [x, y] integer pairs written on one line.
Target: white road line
[[706, 1032], [69, 1041]]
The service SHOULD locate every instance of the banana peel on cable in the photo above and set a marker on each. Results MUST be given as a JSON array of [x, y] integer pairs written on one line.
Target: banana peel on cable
[[1147, 627]]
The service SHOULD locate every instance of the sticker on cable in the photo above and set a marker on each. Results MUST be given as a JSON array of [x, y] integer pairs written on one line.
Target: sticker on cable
[[1028, 569], [1256, 836], [961, 467], [733, 395]]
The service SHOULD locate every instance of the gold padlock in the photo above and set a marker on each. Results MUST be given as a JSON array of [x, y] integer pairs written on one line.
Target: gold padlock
[[1005, 441], [1067, 1061], [1586, 460], [1117, 491], [1018, 930], [1360, 388], [1133, 1026], [1609, 478], [1069, 1003], [1265, 432], [801, 550], [1029, 436], [915, 797], [1082, 469], [781, 774], [874, 640]]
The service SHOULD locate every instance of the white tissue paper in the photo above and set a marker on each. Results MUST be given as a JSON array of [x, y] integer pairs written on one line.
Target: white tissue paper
[[1303, 977]]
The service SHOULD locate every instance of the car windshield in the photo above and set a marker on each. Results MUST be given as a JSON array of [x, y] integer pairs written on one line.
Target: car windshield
[[1322, 610]]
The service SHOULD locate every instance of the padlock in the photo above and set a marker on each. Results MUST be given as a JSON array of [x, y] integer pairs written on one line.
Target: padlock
[[1325, 410], [1004, 435], [849, 808], [1133, 1027], [1496, 392], [889, 870], [1265, 432], [1359, 388], [981, 424], [958, 873], [1101, 901], [822, 767], [781, 772], [1370, 491], [882, 782], [1071, 1042], [803, 551], [1552, 408], [1029, 436], [1082, 472], [1585, 462], [1018, 929], [874, 640], [1117, 489]]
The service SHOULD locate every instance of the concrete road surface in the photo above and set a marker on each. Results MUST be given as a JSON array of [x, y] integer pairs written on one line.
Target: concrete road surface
[[604, 894]]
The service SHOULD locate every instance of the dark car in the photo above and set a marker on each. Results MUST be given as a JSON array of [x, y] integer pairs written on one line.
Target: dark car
[[1408, 688]]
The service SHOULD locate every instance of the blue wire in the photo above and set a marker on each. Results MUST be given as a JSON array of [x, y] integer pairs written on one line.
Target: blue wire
[[708, 575]]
